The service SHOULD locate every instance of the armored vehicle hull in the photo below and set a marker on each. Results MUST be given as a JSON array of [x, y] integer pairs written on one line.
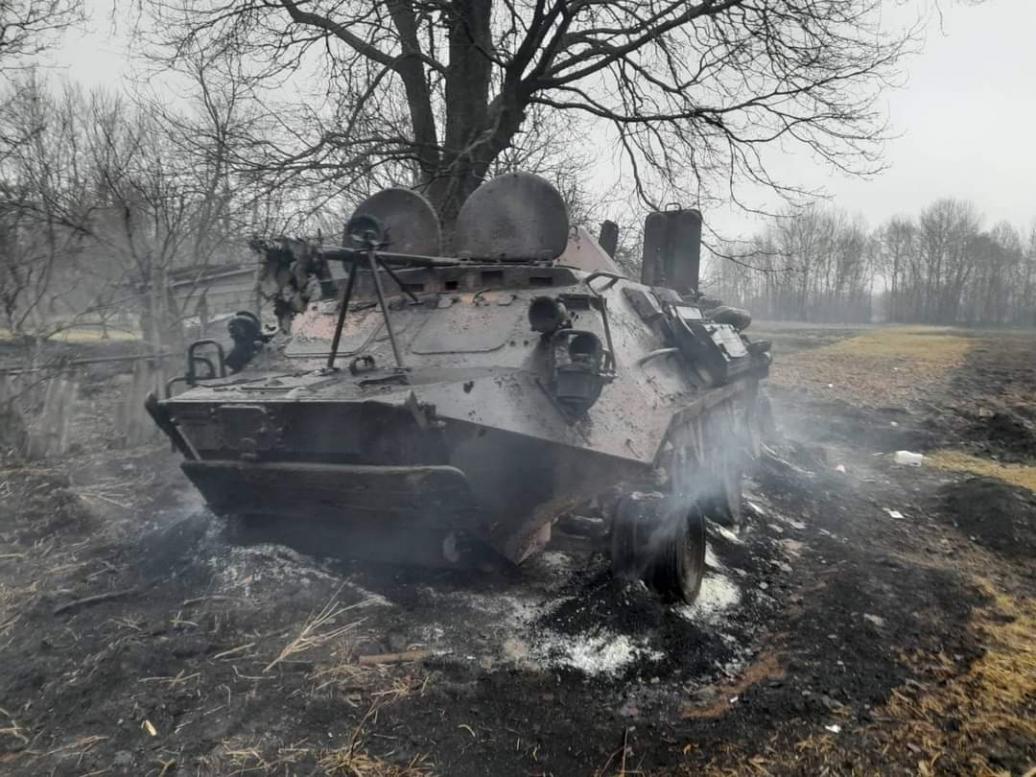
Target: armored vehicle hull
[[433, 409]]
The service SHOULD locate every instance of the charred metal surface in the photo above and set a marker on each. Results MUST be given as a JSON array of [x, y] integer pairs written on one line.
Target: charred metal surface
[[425, 494], [609, 237], [251, 430], [487, 399], [160, 415]]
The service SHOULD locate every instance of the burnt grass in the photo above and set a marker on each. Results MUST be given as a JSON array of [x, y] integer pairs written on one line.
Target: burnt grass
[[838, 665], [988, 409], [834, 594], [1000, 517]]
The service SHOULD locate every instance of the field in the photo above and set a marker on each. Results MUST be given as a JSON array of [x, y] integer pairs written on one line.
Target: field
[[867, 618]]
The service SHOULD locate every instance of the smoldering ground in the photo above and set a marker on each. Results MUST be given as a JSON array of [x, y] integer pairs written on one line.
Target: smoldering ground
[[828, 634]]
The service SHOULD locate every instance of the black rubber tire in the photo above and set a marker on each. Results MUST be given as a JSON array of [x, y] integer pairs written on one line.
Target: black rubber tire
[[664, 545], [634, 517], [677, 567]]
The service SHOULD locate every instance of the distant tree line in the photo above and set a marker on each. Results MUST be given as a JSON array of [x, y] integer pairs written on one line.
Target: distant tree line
[[941, 267]]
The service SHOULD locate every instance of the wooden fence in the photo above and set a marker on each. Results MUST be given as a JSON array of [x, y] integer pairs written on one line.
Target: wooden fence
[[38, 406]]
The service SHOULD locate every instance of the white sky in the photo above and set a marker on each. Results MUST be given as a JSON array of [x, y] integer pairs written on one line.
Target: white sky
[[966, 118]]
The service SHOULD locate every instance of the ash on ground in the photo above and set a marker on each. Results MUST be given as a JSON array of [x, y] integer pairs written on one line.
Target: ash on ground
[[561, 613]]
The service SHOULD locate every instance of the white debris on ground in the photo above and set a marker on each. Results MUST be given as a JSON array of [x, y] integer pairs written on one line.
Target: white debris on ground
[[507, 611], [431, 634], [512, 627], [771, 513], [712, 560], [793, 523], [513, 619], [908, 458], [368, 596], [718, 594], [597, 653], [726, 534], [792, 548], [503, 628], [757, 510], [555, 560]]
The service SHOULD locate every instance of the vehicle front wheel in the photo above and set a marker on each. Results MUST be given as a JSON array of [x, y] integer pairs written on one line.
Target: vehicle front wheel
[[656, 540]]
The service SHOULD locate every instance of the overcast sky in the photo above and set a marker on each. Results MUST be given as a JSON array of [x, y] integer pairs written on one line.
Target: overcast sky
[[966, 116], [967, 119]]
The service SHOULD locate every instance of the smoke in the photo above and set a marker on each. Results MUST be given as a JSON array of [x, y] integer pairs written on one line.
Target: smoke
[[661, 538]]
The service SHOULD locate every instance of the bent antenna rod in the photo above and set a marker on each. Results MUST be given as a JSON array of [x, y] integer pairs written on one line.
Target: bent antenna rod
[[372, 263], [368, 232]]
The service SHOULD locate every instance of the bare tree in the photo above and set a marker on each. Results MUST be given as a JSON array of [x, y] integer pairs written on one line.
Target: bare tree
[[42, 206], [29, 27], [164, 199], [811, 264], [1026, 313], [690, 91], [896, 241], [103, 196], [32, 232], [947, 227]]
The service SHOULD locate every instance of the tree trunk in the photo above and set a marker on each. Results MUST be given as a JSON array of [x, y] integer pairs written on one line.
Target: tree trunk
[[467, 105], [410, 69], [477, 129]]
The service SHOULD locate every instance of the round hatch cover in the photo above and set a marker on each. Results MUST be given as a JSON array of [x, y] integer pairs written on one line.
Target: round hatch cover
[[514, 217], [409, 220]]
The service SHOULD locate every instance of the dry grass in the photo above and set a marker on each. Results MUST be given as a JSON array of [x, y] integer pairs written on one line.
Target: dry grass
[[344, 675], [991, 702], [235, 757], [353, 762], [12, 729], [929, 344], [887, 366], [318, 630], [14, 602], [83, 334], [77, 747], [956, 461]]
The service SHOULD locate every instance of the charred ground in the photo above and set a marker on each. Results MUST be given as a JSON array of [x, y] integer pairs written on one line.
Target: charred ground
[[831, 634]]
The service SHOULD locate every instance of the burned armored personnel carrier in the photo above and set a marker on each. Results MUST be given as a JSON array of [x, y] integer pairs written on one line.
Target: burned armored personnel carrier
[[430, 408]]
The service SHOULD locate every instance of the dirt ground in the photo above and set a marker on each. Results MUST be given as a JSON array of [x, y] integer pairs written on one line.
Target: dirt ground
[[866, 618]]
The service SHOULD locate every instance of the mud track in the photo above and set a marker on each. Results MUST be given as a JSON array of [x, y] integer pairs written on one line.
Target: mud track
[[136, 639]]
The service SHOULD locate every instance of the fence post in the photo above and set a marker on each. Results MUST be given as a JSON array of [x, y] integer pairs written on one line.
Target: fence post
[[133, 422], [49, 435]]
